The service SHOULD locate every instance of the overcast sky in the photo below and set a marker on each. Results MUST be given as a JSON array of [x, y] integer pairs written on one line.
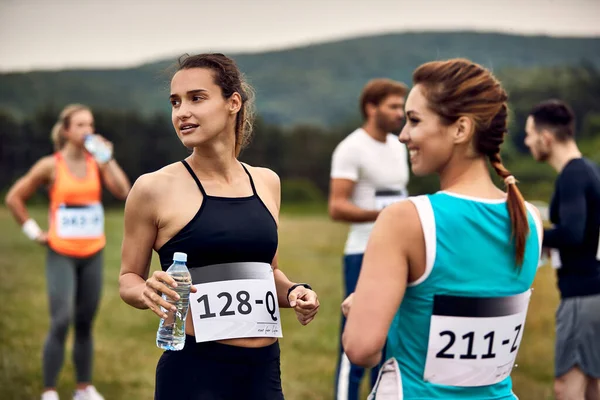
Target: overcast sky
[[51, 34]]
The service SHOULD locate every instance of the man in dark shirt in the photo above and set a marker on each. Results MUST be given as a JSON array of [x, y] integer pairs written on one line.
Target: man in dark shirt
[[575, 215]]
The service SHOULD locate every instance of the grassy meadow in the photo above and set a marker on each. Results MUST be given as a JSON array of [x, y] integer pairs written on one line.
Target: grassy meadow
[[125, 350]]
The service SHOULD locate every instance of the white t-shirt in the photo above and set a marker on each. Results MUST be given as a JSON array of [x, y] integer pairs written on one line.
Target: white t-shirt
[[380, 171]]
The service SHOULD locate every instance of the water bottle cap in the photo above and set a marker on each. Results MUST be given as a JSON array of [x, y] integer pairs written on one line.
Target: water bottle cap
[[181, 257]]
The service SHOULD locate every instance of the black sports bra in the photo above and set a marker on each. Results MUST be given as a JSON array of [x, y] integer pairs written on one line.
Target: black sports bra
[[224, 230]]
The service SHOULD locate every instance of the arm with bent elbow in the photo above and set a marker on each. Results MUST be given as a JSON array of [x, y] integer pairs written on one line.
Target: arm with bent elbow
[[570, 230], [115, 179], [139, 234], [22, 190], [340, 206], [381, 285], [345, 170]]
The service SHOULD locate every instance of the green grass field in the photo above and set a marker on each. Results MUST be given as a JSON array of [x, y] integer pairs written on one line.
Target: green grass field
[[125, 351]]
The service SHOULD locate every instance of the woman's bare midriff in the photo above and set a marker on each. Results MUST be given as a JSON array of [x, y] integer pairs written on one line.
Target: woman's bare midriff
[[240, 342]]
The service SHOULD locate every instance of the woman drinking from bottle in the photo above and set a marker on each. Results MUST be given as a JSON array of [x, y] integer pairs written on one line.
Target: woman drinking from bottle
[[75, 239]]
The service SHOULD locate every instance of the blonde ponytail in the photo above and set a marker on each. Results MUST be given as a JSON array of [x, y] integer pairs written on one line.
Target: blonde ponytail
[[58, 130], [57, 136]]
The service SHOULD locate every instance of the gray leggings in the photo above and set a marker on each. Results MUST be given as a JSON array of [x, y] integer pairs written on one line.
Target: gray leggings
[[74, 288]]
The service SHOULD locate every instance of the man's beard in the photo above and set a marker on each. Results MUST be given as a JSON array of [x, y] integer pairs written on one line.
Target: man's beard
[[385, 125], [542, 153]]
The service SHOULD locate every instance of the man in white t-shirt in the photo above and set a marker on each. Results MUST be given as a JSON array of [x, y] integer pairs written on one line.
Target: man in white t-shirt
[[369, 170]]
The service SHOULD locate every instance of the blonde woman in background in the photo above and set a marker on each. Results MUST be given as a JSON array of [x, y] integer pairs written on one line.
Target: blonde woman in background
[[75, 240]]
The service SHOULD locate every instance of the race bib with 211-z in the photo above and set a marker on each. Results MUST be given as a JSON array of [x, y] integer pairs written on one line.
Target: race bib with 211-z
[[474, 341], [234, 300]]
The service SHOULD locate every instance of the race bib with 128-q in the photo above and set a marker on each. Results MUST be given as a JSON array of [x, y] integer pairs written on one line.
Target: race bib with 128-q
[[474, 341], [234, 300]]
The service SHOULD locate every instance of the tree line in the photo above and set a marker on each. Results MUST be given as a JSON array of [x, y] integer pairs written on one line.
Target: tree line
[[301, 154]]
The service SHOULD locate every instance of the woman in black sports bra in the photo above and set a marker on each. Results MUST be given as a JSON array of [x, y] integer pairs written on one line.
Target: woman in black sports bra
[[224, 215]]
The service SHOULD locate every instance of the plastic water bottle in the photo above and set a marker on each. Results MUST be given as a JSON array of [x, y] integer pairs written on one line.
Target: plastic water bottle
[[97, 148], [171, 330]]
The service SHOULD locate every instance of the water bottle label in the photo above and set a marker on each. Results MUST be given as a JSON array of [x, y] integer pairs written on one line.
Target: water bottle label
[[235, 300], [80, 222]]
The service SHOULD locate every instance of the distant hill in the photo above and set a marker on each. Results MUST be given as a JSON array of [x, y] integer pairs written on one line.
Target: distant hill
[[317, 84]]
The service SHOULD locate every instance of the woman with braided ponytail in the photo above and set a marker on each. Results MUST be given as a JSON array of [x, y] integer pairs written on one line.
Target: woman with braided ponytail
[[446, 277]]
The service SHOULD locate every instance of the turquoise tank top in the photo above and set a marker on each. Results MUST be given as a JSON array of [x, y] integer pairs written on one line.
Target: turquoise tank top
[[469, 255]]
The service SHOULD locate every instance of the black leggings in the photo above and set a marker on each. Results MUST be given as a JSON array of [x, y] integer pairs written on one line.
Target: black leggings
[[74, 289], [215, 371]]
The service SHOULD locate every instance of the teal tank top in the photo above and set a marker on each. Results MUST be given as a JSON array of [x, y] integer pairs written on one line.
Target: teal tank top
[[474, 289]]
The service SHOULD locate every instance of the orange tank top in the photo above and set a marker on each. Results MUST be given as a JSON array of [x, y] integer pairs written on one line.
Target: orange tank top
[[76, 226]]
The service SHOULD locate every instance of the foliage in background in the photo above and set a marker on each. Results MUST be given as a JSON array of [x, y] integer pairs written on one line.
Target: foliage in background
[[316, 84], [307, 104]]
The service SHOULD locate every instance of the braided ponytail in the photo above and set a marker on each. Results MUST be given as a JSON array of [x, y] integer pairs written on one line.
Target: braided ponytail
[[516, 207], [460, 87]]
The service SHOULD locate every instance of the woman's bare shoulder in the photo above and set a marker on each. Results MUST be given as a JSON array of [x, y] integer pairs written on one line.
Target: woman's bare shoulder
[[153, 185], [266, 176], [42, 171]]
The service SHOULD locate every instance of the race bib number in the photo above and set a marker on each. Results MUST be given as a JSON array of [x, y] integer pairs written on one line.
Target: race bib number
[[474, 341], [384, 198], [235, 300], [80, 222]]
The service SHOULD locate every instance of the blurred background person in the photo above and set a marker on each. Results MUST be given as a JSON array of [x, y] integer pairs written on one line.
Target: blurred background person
[[369, 171], [575, 216], [75, 240]]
